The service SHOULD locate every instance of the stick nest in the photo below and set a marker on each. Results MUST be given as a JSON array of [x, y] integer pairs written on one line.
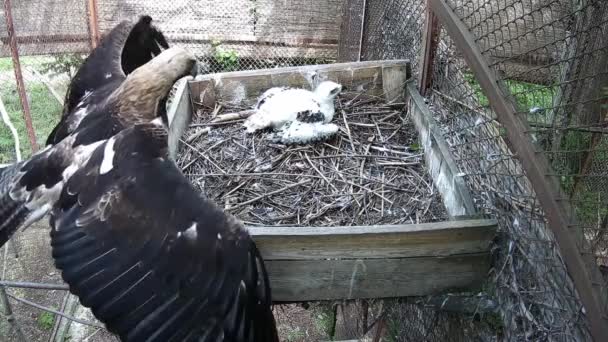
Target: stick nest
[[371, 172]]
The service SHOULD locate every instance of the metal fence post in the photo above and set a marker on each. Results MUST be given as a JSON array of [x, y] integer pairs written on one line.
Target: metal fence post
[[429, 48], [93, 22], [12, 39]]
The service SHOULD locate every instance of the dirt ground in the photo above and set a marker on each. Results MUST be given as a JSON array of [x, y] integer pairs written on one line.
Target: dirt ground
[[35, 264]]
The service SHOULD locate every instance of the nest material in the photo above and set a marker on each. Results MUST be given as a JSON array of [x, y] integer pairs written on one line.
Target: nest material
[[371, 172]]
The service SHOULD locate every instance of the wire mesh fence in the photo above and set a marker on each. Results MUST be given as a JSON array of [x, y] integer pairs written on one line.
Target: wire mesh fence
[[242, 34], [49, 47], [551, 57], [536, 297]]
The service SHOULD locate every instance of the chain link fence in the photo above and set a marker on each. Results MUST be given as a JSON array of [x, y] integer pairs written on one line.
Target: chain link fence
[[50, 41], [241, 34], [552, 56]]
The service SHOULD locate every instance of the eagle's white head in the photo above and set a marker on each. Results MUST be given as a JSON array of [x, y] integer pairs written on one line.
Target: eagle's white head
[[328, 90]]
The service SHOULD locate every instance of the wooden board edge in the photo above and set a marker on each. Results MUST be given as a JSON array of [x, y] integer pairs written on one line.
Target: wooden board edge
[[456, 196], [303, 69], [374, 229], [179, 114]]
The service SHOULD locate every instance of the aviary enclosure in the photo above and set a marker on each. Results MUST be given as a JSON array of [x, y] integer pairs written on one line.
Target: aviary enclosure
[[464, 198]]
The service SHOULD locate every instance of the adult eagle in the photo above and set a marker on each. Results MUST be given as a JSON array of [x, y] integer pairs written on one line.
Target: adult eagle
[[29, 189]]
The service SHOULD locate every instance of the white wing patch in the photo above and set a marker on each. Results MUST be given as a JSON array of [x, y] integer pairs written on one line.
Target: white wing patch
[[78, 116], [158, 121], [81, 156], [108, 157], [190, 233]]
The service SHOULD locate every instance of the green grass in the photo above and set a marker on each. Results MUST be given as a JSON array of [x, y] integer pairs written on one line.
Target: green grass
[[45, 112], [527, 95], [325, 318], [6, 63], [589, 203], [295, 334], [46, 320], [44, 108]]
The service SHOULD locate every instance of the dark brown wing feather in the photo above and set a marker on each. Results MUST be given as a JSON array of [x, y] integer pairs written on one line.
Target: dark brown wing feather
[[123, 244], [126, 47]]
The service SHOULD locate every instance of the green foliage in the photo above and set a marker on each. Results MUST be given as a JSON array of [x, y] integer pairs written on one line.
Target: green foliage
[[295, 334], [477, 92], [6, 64], [67, 63], [226, 58], [46, 320], [527, 95], [325, 318], [45, 111]]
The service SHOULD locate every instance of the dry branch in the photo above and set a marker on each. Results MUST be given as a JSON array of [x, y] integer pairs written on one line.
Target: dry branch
[[232, 116]]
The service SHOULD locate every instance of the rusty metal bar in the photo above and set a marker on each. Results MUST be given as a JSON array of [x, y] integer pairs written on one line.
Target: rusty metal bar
[[363, 18], [582, 268], [51, 38], [10, 29], [429, 50], [93, 23], [9, 314]]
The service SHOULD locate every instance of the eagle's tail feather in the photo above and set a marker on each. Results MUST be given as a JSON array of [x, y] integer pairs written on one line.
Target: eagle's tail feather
[[13, 213]]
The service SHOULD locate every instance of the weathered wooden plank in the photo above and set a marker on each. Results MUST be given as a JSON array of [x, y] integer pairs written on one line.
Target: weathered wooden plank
[[242, 88], [375, 242], [444, 172], [302, 280], [179, 114], [320, 263], [393, 82]]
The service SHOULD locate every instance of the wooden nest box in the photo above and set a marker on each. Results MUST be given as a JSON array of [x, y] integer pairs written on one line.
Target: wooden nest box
[[308, 263]]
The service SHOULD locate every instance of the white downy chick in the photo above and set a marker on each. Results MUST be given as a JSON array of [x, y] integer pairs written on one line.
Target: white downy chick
[[281, 105]]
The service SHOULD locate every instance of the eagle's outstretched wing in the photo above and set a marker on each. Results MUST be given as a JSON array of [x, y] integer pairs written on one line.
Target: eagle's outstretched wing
[[126, 47], [153, 259]]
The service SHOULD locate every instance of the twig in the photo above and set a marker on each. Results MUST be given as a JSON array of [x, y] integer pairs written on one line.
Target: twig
[[196, 135], [44, 308], [216, 110], [268, 194], [387, 150], [319, 172], [233, 116], [204, 156], [350, 137]]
